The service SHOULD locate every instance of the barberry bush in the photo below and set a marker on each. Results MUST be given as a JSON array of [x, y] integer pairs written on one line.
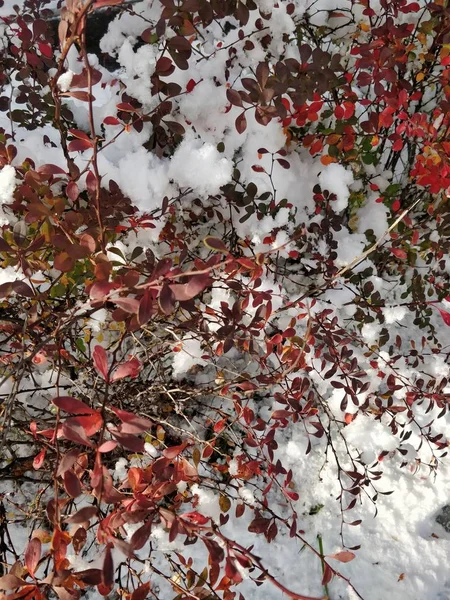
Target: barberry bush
[[224, 279]]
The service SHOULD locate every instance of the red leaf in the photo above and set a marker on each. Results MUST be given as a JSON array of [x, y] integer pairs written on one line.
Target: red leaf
[[79, 540], [63, 262], [81, 135], [111, 121], [79, 145], [349, 108], [90, 423], [192, 288], [258, 169], [72, 405], [220, 425], [409, 8], [141, 535], [81, 80], [74, 431], [214, 243], [166, 300], [283, 163], [216, 552], [126, 107], [45, 49], [164, 64], [99, 291], [108, 568], [134, 424], [83, 96], [82, 515], [32, 555], [38, 460], [190, 85], [292, 495], [88, 242], [145, 308], [344, 556], [247, 263], [327, 575], [234, 97], [72, 484], [396, 205], [174, 451], [398, 252], [259, 525], [91, 182], [195, 517], [281, 414], [101, 361], [241, 123], [141, 592], [129, 305], [339, 112], [48, 169], [89, 576], [231, 571], [67, 461], [72, 191], [445, 316], [129, 441], [108, 446], [127, 369]]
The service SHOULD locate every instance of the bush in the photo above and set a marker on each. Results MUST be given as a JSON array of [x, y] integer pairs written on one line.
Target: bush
[[236, 238]]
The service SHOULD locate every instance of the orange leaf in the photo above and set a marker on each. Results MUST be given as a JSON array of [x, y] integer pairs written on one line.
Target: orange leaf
[[327, 160]]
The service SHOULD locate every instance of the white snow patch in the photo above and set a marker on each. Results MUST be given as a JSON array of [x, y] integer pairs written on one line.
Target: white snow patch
[[336, 179], [199, 166], [65, 80]]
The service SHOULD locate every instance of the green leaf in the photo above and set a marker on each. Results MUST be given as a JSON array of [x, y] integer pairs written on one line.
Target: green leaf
[[81, 346]]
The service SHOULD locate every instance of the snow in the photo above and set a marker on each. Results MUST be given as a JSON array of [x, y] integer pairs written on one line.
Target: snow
[[7, 187], [139, 67], [65, 80], [336, 179], [370, 332], [186, 357], [199, 166], [394, 313]]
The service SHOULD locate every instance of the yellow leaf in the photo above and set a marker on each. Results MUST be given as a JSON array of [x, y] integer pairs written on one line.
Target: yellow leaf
[[47, 230], [196, 456], [224, 503], [160, 433]]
